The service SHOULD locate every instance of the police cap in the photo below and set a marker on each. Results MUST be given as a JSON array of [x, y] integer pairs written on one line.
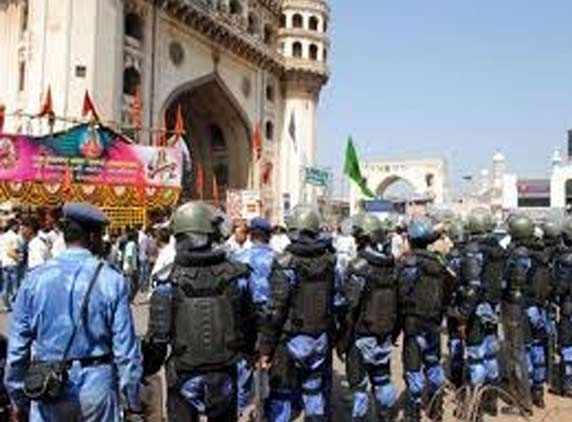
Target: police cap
[[84, 214], [260, 224]]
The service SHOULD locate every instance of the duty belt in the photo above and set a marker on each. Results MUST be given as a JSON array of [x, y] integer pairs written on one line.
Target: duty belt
[[91, 361]]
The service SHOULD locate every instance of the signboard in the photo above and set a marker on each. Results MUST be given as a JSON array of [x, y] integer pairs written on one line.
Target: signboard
[[243, 204], [89, 155], [318, 177]]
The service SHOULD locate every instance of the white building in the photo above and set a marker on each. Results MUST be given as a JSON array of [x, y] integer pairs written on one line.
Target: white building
[[230, 64]]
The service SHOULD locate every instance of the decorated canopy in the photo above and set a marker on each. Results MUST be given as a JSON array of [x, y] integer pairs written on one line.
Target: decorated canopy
[[89, 162]]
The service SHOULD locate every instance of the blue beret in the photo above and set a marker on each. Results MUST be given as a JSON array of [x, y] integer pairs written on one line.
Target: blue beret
[[84, 214], [260, 224]]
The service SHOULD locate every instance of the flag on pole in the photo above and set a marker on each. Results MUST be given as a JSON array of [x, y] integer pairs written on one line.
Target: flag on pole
[[257, 142], [47, 109], [161, 138], [2, 116], [179, 123], [215, 189], [89, 107], [352, 169], [292, 128], [200, 182]]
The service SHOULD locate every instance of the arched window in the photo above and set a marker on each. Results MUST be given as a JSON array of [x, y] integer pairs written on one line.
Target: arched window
[[297, 49], [134, 26], [313, 24], [235, 7], [253, 24], [218, 142], [313, 52], [325, 25], [269, 131], [283, 21], [325, 54], [270, 93], [131, 80], [297, 21], [268, 34]]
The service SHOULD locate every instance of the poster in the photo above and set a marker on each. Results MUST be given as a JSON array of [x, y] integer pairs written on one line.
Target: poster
[[243, 204], [88, 154]]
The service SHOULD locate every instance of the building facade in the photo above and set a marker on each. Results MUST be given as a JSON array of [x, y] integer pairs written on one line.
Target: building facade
[[230, 65]]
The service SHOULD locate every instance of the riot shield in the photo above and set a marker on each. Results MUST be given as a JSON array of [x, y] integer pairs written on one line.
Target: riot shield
[[515, 371], [552, 364]]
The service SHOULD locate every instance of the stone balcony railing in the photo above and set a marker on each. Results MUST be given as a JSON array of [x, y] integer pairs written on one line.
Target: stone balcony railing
[[306, 65]]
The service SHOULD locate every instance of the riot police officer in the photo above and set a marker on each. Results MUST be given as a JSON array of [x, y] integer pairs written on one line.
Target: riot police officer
[[563, 297], [480, 287], [456, 344], [297, 336], [425, 287], [528, 285], [72, 315], [204, 312], [370, 322]]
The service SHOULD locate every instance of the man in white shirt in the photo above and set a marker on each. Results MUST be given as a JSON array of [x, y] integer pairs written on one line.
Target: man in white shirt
[[55, 235], [143, 248], [239, 239], [38, 244], [280, 240], [10, 257]]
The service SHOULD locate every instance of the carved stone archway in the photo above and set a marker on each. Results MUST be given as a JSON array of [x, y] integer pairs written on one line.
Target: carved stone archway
[[217, 134]]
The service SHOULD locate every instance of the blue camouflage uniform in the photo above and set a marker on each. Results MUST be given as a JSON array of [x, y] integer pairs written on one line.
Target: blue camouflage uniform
[[259, 258], [563, 295], [456, 344], [299, 328], [104, 359]]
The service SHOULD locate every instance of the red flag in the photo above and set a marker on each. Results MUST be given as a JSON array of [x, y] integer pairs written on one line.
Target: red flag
[[200, 183], [88, 107], [136, 108], [67, 183], [257, 142], [2, 115], [47, 109], [179, 123], [141, 191], [161, 138], [215, 189]]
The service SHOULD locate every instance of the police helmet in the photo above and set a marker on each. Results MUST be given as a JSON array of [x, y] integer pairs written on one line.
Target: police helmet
[[194, 217], [371, 226], [567, 228], [456, 231], [551, 229], [304, 219], [420, 230], [520, 227], [479, 222]]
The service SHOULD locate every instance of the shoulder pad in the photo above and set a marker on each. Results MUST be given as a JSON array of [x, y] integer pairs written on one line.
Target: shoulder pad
[[410, 260], [521, 251], [358, 265], [285, 260], [472, 247], [234, 269]]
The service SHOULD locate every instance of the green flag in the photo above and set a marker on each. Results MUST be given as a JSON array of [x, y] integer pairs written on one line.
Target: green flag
[[352, 170]]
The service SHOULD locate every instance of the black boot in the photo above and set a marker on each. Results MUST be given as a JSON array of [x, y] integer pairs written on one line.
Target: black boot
[[412, 412], [538, 396], [489, 405], [435, 412], [385, 415]]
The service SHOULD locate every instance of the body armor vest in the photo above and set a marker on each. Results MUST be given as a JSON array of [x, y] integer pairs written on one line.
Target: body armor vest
[[529, 279], [206, 305], [563, 278], [378, 310], [312, 299], [422, 291], [493, 269]]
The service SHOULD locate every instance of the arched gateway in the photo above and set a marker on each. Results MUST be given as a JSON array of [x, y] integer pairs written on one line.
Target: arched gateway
[[217, 133]]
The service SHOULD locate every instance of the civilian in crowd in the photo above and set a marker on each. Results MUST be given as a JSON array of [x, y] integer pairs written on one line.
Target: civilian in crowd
[[239, 239], [279, 240], [55, 233], [38, 250], [144, 268], [130, 263], [165, 255], [10, 255]]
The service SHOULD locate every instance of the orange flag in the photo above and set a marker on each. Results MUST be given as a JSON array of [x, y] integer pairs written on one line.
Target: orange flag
[[179, 123], [67, 183], [136, 108], [215, 189], [88, 107], [2, 116], [161, 138], [257, 142], [200, 183], [47, 108]]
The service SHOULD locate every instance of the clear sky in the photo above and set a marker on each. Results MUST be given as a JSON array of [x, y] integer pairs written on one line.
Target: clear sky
[[453, 78]]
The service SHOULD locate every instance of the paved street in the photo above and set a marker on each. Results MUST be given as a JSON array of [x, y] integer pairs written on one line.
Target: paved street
[[559, 410]]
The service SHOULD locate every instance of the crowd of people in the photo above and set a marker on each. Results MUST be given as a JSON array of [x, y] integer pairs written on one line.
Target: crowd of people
[[253, 317]]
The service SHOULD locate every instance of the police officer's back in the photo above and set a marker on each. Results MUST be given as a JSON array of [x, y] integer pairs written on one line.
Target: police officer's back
[[204, 313], [104, 356]]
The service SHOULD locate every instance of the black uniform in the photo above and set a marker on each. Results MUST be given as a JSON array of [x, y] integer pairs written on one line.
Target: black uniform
[[205, 313]]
